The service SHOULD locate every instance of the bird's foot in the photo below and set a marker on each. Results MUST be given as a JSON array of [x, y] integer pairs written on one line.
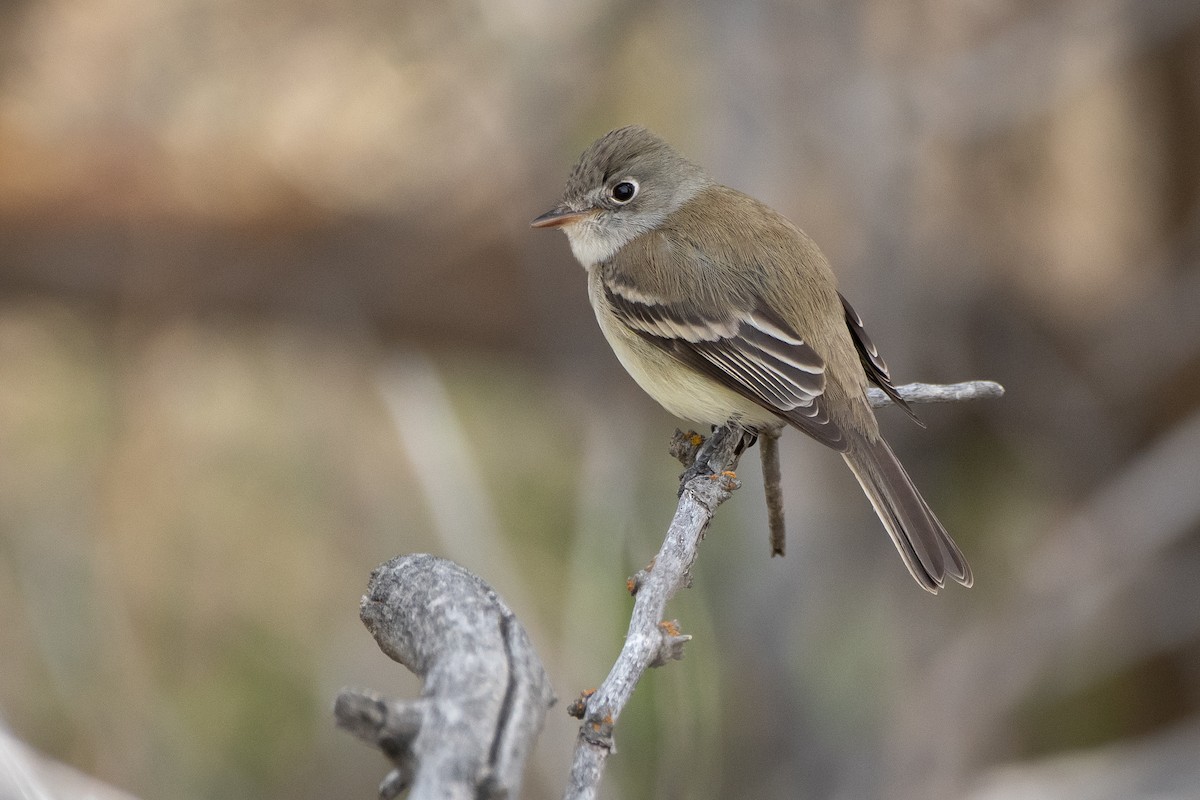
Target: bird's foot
[[697, 469], [718, 454]]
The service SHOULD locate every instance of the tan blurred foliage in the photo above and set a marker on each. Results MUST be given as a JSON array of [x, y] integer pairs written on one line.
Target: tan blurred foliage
[[270, 314]]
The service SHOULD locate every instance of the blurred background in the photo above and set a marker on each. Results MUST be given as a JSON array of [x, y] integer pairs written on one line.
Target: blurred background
[[271, 313]]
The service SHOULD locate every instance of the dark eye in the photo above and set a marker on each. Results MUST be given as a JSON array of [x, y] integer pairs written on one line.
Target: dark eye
[[624, 191]]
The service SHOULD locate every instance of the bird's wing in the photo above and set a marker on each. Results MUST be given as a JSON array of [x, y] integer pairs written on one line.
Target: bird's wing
[[751, 351], [873, 363]]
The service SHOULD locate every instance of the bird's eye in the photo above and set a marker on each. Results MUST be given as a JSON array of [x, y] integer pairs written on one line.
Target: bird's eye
[[624, 191]]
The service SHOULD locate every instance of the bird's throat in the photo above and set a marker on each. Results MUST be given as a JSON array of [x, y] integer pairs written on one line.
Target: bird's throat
[[592, 244]]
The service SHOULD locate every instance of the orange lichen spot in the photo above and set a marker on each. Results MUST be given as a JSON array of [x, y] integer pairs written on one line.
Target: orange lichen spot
[[696, 439], [669, 627], [630, 585]]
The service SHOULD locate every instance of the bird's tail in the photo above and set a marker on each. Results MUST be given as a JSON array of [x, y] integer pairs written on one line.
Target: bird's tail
[[928, 551]]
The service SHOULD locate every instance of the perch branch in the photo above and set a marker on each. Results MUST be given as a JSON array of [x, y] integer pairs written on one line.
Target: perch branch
[[485, 694], [652, 642], [938, 392]]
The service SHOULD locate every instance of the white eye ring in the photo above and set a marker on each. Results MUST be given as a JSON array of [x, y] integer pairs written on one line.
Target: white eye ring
[[624, 190]]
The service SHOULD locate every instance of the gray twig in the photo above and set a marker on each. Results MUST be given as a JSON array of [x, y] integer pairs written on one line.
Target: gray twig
[[768, 449], [653, 642], [938, 392], [485, 694]]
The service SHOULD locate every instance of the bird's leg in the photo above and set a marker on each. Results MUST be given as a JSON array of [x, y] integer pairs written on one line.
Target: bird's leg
[[719, 453], [749, 437]]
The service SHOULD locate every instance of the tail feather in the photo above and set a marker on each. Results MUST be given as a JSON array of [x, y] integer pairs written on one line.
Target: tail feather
[[928, 551]]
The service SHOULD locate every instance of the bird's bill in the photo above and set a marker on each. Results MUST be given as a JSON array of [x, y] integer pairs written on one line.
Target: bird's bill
[[557, 217]]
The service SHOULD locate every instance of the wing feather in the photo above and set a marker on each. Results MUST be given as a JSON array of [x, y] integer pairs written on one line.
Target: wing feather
[[873, 364], [751, 351]]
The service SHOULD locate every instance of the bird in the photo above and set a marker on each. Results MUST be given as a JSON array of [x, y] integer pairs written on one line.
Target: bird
[[723, 311]]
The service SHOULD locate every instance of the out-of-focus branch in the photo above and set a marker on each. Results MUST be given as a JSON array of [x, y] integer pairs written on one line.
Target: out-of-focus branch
[[651, 641], [485, 695], [26, 774], [1091, 570]]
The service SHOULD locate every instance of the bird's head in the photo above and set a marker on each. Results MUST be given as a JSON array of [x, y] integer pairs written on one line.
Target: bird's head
[[624, 185]]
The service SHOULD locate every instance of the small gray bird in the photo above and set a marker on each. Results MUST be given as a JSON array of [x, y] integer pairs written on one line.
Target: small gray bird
[[722, 310]]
